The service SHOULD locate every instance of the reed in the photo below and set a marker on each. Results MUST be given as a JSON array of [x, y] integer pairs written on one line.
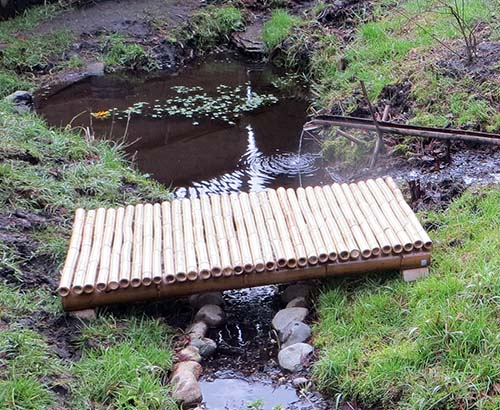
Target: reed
[[86, 247], [232, 240], [290, 236], [136, 273], [157, 240], [114, 268], [126, 252], [321, 223], [169, 261], [253, 235], [107, 242], [312, 226], [389, 213], [226, 254], [68, 270], [261, 202], [189, 245], [362, 222], [178, 240], [211, 238], [264, 239], [199, 238], [341, 222], [241, 234], [343, 251], [95, 253]]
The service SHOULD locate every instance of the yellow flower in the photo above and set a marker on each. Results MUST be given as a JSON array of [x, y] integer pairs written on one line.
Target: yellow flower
[[100, 115]]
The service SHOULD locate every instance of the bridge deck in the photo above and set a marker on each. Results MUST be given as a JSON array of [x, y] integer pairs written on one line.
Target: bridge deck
[[218, 242]]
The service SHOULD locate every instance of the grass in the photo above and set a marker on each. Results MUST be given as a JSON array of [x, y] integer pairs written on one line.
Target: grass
[[211, 26], [120, 55], [278, 28], [429, 344]]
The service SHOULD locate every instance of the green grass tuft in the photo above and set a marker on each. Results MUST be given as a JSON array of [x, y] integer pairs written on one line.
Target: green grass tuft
[[278, 28], [120, 55]]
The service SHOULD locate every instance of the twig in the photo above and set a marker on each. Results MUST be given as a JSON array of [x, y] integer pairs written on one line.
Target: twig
[[372, 112], [379, 143], [351, 137]]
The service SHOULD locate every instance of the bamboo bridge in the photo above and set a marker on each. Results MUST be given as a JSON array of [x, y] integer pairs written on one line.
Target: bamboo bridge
[[218, 242]]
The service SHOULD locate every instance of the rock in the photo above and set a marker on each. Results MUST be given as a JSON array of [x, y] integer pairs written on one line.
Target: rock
[[85, 314], [299, 382], [212, 315], [189, 353], [185, 389], [295, 291], [286, 316], [95, 68], [189, 367], [299, 301], [197, 330], [22, 101], [201, 299], [292, 358], [206, 346], [295, 332]]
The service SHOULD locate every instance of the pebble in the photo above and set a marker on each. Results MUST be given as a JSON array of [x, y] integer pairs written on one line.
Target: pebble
[[292, 358], [295, 332], [206, 346], [286, 316], [299, 301], [212, 315], [197, 330], [187, 367], [201, 299], [299, 382], [185, 388], [189, 353], [295, 291]]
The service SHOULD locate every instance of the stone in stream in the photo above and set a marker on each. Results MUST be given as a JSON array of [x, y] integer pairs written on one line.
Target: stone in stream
[[201, 299], [212, 315], [292, 358], [299, 301], [295, 291], [189, 353], [197, 330], [189, 367], [185, 387], [206, 346], [295, 332], [286, 316]]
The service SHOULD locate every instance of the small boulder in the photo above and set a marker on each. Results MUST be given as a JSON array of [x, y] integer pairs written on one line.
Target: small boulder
[[197, 330], [187, 367], [95, 68], [189, 353], [85, 314], [21, 100], [185, 389], [294, 291], [299, 301], [295, 332], [292, 358], [206, 346], [201, 299], [286, 316], [212, 315]]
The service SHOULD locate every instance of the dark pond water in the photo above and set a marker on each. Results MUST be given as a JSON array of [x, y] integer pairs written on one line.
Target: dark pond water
[[203, 129]]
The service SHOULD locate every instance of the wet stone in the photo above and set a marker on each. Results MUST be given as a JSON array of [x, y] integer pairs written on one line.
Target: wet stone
[[286, 316], [185, 389], [201, 299], [189, 353], [293, 357], [295, 291], [295, 332], [206, 346], [299, 301], [197, 330], [187, 367], [212, 315]]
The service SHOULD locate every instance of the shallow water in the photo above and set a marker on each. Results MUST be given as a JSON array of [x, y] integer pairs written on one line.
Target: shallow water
[[199, 154]]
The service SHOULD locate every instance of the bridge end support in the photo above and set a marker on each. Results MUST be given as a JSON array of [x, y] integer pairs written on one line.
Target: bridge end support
[[410, 275]]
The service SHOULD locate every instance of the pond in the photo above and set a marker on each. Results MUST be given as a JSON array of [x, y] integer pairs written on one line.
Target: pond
[[220, 125]]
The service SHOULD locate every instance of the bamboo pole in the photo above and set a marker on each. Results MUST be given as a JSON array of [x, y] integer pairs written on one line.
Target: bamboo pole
[[320, 222], [178, 240], [157, 241], [362, 222], [343, 251], [95, 253], [114, 268], [232, 239], [189, 245], [107, 242], [264, 237], [391, 218], [137, 262], [280, 255], [211, 237], [227, 254], [68, 270], [241, 233], [126, 252], [394, 240], [86, 247], [171, 261], [147, 246], [345, 231], [382, 238], [199, 238], [312, 226], [289, 233], [427, 242], [253, 235]]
